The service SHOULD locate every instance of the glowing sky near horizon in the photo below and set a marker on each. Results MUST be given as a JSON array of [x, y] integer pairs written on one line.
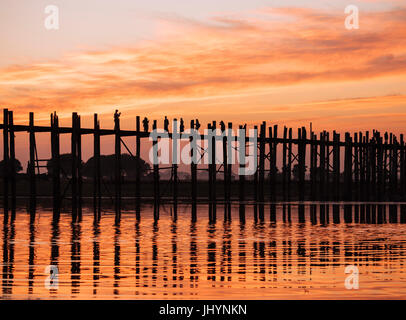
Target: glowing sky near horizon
[[288, 62]]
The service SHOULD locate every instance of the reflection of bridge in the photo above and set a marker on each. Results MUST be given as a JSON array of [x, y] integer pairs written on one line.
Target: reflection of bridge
[[178, 258], [373, 166]]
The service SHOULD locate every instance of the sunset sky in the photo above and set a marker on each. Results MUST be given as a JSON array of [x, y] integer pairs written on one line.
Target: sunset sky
[[288, 62]]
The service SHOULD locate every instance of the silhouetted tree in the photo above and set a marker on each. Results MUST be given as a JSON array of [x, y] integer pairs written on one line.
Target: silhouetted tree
[[17, 166], [295, 171], [107, 162], [66, 164]]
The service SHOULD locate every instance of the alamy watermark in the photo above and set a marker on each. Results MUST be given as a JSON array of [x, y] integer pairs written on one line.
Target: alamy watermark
[[352, 281], [52, 279], [51, 21], [352, 20], [206, 148]]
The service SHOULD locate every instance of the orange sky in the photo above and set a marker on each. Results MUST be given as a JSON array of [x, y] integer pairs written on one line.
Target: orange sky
[[286, 65]]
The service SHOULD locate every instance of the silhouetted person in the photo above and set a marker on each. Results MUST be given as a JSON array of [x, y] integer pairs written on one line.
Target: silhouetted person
[[222, 126], [182, 125], [145, 123], [116, 117], [166, 124], [197, 126]]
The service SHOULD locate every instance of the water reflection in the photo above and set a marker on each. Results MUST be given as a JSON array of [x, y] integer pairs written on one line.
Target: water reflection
[[298, 251]]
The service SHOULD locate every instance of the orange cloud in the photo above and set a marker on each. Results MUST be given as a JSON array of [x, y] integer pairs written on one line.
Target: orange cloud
[[224, 58]]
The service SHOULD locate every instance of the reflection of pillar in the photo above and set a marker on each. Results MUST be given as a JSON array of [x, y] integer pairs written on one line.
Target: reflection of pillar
[[54, 247], [116, 284], [194, 270], [31, 257], [75, 258], [96, 257]]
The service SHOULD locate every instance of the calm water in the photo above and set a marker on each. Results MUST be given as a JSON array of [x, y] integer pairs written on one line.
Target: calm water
[[301, 254]]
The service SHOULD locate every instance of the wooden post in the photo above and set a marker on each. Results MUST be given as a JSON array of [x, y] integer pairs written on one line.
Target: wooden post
[[284, 163], [225, 170], [402, 168], [12, 166], [156, 179], [79, 168], [385, 164], [175, 169], [327, 170], [31, 167], [56, 165], [356, 166], [361, 166], [380, 173], [138, 173], [336, 166], [302, 162], [372, 162], [97, 169], [230, 151], [210, 169], [273, 144], [5, 163], [289, 173], [313, 165], [348, 167], [322, 167], [74, 166], [117, 165], [214, 171], [367, 167], [242, 181], [261, 162]]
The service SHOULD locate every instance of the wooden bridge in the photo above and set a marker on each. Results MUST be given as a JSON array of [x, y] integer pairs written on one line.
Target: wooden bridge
[[363, 167]]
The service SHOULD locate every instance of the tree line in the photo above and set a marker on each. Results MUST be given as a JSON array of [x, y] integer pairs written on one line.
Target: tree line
[[129, 166]]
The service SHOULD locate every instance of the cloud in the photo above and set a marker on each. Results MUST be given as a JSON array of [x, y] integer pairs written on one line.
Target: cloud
[[225, 56]]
